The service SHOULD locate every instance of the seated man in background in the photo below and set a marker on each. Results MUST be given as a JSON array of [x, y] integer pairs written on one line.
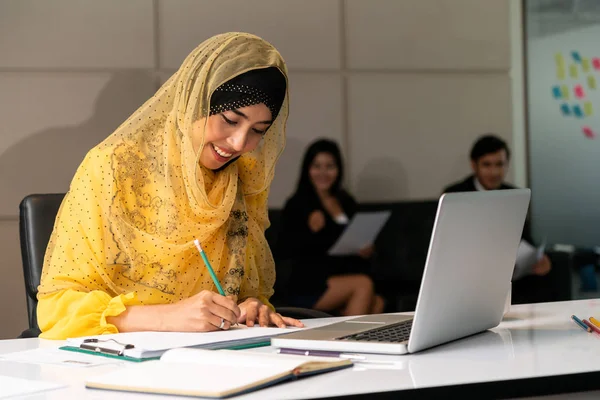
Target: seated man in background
[[489, 160]]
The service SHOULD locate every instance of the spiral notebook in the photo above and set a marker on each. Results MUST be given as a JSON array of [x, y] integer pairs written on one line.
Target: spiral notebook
[[213, 373]]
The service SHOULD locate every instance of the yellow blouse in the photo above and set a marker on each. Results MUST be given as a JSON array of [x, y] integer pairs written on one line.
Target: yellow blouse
[[125, 230]]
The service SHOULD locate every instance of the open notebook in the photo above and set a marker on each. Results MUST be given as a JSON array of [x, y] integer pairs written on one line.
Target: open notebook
[[140, 346], [213, 373]]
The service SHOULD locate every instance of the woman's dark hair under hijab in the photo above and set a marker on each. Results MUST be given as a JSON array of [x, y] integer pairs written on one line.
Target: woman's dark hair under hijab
[[488, 144], [305, 186], [264, 85]]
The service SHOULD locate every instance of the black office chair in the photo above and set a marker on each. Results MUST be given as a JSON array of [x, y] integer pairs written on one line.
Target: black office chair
[[37, 213], [36, 220]]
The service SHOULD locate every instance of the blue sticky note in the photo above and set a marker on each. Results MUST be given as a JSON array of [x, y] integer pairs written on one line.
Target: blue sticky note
[[576, 56], [564, 108], [577, 111], [556, 92]]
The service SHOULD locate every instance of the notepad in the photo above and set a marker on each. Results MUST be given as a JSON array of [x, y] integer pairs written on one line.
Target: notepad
[[148, 345], [361, 232], [213, 374]]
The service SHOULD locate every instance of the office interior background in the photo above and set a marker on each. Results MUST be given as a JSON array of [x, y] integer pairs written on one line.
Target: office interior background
[[405, 87]]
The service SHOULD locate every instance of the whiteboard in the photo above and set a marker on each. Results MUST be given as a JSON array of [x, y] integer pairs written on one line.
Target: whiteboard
[[563, 78]]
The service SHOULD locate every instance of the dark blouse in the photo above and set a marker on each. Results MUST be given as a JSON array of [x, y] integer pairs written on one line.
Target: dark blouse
[[307, 250]]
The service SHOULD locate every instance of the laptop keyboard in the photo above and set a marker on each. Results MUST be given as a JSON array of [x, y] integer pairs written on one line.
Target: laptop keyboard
[[395, 333]]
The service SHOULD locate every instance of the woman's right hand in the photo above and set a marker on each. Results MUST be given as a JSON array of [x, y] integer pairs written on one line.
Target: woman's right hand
[[202, 313], [316, 221]]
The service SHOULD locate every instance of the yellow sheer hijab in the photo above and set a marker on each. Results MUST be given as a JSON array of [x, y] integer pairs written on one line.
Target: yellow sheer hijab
[[140, 198]]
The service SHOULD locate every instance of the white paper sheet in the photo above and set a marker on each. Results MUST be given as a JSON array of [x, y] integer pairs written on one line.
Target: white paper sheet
[[55, 356], [361, 232], [10, 386], [527, 257]]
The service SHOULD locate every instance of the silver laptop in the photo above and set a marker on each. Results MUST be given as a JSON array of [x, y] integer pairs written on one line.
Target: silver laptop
[[464, 287]]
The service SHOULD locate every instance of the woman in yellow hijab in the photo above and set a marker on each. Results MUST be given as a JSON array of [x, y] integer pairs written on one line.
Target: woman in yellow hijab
[[194, 162]]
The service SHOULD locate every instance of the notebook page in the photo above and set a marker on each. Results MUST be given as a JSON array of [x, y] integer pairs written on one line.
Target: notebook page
[[186, 378], [10, 386]]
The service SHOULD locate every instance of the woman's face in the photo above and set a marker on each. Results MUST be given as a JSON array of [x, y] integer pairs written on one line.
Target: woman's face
[[323, 171], [230, 134]]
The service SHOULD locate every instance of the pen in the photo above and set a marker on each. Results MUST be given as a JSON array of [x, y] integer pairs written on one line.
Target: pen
[[357, 359], [592, 326], [581, 324], [210, 270], [320, 353], [595, 321]]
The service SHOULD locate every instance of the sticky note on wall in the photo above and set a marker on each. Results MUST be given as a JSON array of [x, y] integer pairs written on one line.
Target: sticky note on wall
[[585, 64], [564, 91], [556, 92], [573, 70], [579, 93], [565, 110], [576, 56], [588, 110], [560, 66], [596, 63], [591, 82], [588, 132], [577, 111]]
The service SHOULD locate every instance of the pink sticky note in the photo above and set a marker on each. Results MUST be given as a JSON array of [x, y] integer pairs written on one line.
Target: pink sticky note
[[588, 132], [596, 62], [579, 93]]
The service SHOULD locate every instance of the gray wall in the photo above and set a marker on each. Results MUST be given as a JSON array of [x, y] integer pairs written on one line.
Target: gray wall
[[405, 87]]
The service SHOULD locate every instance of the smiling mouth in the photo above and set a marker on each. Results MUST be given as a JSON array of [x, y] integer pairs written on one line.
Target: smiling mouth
[[220, 152]]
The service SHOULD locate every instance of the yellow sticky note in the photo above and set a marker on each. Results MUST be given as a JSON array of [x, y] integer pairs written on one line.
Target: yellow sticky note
[[560, 73], [591, 81], [587, 108], [564, 91], [585, 64], [573, 71], [560, 61]]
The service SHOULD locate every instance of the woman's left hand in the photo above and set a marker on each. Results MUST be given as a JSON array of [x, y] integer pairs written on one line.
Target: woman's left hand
[[254, 311]]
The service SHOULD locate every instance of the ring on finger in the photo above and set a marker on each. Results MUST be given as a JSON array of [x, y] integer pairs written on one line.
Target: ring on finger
[[222, 323]]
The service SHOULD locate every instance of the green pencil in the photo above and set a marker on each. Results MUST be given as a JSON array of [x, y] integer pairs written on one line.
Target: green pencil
[[210, 270]]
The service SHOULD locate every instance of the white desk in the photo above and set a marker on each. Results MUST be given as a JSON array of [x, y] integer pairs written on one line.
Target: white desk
[[536, 350]]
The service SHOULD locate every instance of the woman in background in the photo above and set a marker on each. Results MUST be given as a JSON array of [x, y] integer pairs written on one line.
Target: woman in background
[[313, 219]]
